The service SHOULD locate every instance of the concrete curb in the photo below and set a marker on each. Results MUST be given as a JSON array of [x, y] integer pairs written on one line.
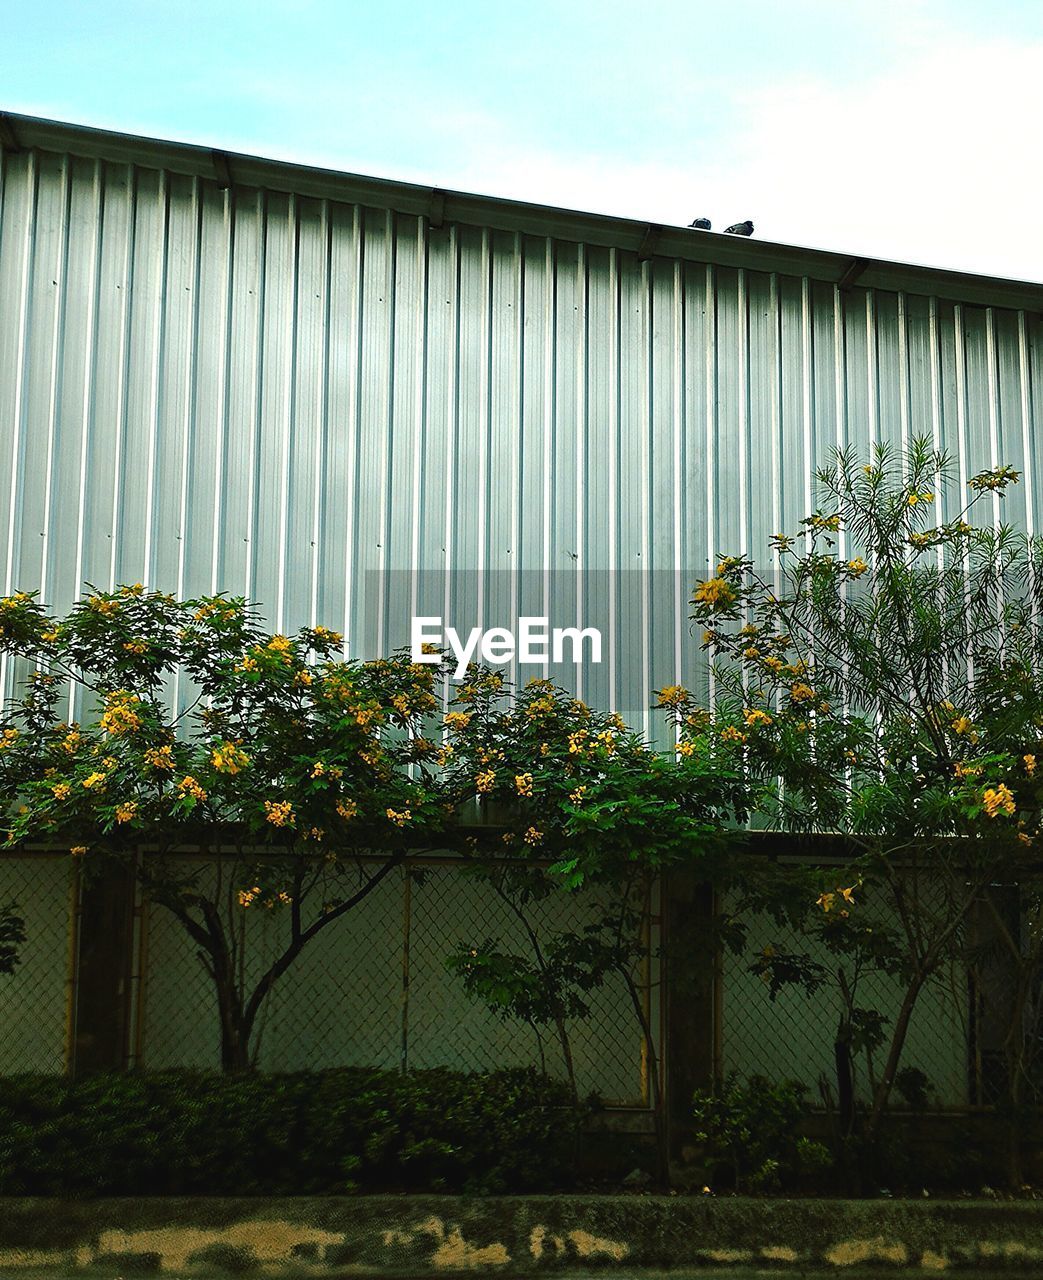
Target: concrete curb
[[399, 1236]]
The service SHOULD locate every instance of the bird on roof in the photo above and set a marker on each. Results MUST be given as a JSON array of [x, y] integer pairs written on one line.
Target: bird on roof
[[740, 229], [700, 224]]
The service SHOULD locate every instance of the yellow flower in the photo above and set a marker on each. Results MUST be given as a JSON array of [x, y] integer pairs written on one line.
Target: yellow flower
[[347, 809], [61, 790], [533, 835], [458, 720], [190, 787], [227, 758], [247, 896], [756, 717], [119, 716], [126, 812], [826, 901], [523, 784], [575, 797], [962, 725], [398, 818], [714, 592], [801, 692], [160, 757], [1030, 764], [857, 567], [78, 850], [674, 695], [136, 646], [280, 645], [685, 749], [9, 738], [401, 704], [998, 800], [279, 813], [325, 636], [730, 734], [94, 781], [485, 781], [578, 741], [104, 607]]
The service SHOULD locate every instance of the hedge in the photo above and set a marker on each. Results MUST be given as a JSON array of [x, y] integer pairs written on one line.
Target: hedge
[[305, 1133]]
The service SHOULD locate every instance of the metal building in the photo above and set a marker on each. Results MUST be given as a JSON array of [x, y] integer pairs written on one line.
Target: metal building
[[352, 400]]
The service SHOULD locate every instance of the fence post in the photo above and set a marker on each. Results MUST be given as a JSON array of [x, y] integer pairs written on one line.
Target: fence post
[[690, 963], [101, 1017]]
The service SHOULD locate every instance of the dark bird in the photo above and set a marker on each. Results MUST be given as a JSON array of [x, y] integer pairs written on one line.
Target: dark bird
[[701, 224], [739, 229]]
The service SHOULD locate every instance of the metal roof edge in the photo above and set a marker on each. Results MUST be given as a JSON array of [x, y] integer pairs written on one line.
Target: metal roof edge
[[225, 168]]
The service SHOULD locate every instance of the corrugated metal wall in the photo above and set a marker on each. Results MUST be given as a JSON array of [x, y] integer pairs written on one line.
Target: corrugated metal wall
[[295, 400]]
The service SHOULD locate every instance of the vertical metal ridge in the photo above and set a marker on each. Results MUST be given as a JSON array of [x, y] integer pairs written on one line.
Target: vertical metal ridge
[[549, 419], [288, 412], [776, 425], [18, 416], [57, 363], [188, 420], [484, 406], [253, 476], [615, 399], [354, 429], [679, 458], [993, 403], [839, 367], [645, 489], [318, 495], [903, 372], [1025, 403], [872, 370], [961, 395], [225, 394], [163, 196], [581, 427], [517, 487], [807, 357], [89, 364], [390, 272], [420, 412], [453, 397], [127, 311]]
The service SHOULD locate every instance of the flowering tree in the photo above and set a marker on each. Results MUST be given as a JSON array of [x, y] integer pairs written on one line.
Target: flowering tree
[[881, 680], [304, 779], [596, 807]]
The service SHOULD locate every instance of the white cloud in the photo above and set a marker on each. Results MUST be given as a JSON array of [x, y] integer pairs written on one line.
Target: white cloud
[[935, 162]]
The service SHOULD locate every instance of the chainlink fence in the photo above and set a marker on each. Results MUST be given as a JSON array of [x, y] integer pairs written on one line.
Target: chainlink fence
[[35, 999], [374, 989]]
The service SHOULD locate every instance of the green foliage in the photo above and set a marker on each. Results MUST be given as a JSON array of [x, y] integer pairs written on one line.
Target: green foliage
[[749, 1132], [12, 934], [881, 679], [308, 1133], [569, 783]]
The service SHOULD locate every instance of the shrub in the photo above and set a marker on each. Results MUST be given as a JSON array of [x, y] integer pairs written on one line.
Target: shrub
[[749, 1132], [324, 1132]]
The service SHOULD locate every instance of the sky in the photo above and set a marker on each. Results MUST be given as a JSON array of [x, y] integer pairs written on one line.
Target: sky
[[904, 130]]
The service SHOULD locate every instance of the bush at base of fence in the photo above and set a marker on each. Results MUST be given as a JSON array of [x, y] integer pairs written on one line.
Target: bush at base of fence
[[321, 1132]]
